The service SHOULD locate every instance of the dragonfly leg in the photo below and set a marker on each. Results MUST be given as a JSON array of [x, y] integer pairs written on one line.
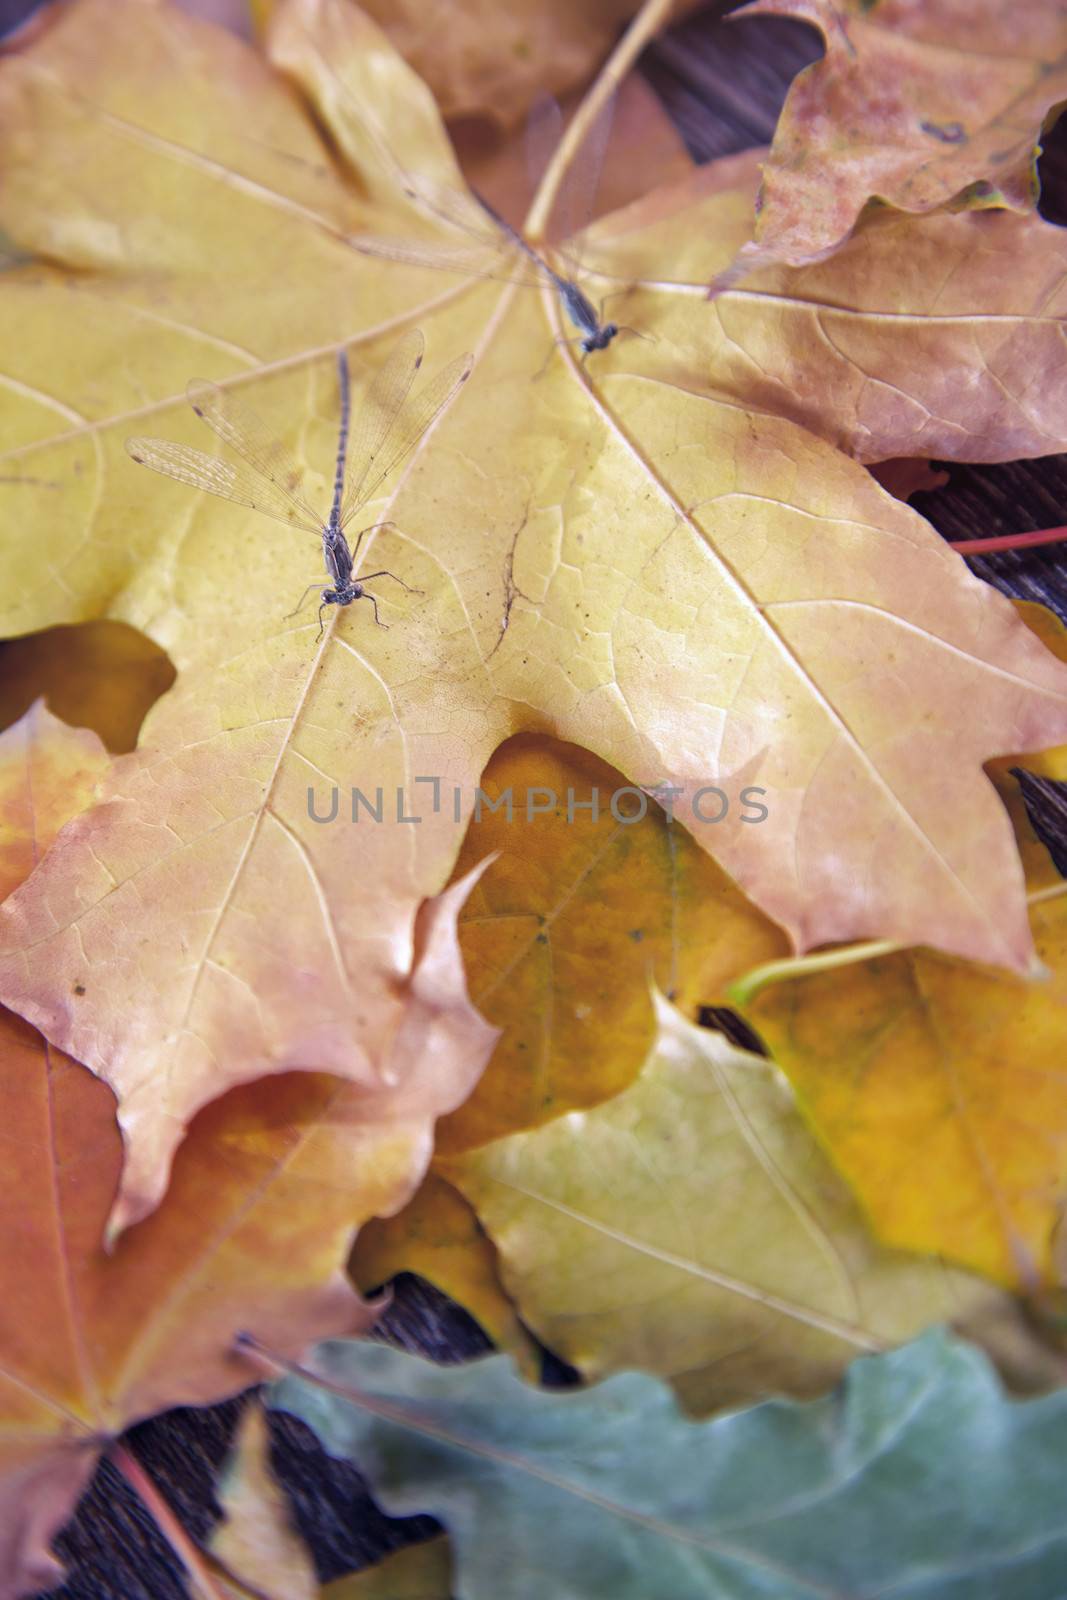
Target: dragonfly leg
[[372, 529], [612, 294], [374, 603], [624, 327], [365, 577], [551, 352], [300, 603]]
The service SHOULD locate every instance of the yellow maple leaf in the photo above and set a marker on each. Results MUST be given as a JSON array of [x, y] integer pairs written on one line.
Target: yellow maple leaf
[[573, 919], [644, 555], [438, 1236], [936, 1084], [264, 1555]]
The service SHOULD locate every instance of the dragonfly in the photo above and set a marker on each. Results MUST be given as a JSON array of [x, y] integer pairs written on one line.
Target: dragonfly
[[390, 422], [496, 249]]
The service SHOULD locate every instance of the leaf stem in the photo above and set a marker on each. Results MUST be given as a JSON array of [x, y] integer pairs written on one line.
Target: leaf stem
[[745, 989], [274, 1365], [1008, 541], [183, 1545], [651, 17]]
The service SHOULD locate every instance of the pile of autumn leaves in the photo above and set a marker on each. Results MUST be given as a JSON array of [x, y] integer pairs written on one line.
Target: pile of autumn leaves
[[240, 1039]]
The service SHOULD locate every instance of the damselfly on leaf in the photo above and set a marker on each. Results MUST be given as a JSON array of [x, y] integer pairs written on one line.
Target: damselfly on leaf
[[389, 422], [484, 245]]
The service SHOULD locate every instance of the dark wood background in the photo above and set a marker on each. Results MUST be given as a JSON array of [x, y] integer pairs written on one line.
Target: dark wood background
[[723, 83]]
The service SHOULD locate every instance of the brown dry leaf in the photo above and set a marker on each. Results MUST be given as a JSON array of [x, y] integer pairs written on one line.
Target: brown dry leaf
[[102, 675], [921, 107], [417, 1572], [281, 964], [496, 61], [48, 773], [233, 14], [922, 336], [692, 1227], [645, 151], [573, 921], [635, 555], [197, 846], [265, 1195], [903, 477], [286, 974], [267, 1192]]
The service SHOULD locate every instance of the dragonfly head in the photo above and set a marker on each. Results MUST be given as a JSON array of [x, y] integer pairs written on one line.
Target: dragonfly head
[[343, 595], [600, 339]]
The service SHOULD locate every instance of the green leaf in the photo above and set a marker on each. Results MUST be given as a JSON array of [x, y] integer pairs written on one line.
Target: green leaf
[[917, 1479], [692, 1227]]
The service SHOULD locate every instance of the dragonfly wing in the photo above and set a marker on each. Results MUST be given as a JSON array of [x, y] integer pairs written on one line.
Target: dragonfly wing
[[379, 409], [494, 261], [494, 249], [407, 424], [455, 207], [544, 128], [243, 431], [578, 191], [223, 478]]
